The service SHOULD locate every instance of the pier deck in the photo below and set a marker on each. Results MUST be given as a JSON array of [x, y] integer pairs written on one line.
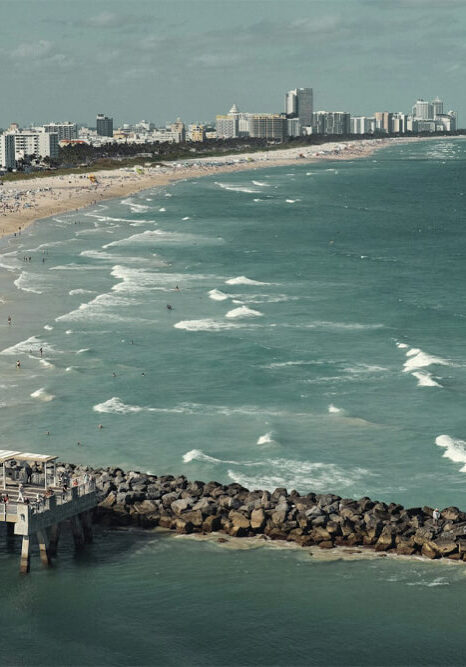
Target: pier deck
[[33, 503]]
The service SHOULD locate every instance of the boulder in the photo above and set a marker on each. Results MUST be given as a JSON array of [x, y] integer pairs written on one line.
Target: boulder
[[258, 519], [194, 516], [239, 520], [429, 551], [179, 506], [212, 523], [326, 544], [386, 540]]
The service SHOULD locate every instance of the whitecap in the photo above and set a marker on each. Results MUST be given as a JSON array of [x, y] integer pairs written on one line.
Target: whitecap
[[210, 325], [115, 405], [30, 345], [237, 188], [160, 236], [243, 311], [455, 449], [217, 295], [162, 210], [333, 410], [75, 292], [186, 217], [419, 359], [47, 327], [402, 346], [46, 363], [261, 184], [243, 280], [28, 282], [42, 395], [425, 379], [266, 439], [83, 350]]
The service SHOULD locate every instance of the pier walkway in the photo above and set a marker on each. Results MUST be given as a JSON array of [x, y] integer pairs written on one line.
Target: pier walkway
[[35, 500]]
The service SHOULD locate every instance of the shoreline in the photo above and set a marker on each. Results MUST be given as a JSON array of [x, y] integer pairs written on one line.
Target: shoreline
[[24, 202]]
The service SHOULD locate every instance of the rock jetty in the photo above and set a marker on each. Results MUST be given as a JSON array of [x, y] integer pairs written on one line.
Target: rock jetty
[[326, 520]]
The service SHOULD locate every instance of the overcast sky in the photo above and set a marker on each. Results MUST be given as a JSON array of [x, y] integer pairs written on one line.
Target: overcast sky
[[157, 59]]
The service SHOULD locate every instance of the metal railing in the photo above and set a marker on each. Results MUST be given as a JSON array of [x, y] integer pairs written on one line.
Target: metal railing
[[78, 489]]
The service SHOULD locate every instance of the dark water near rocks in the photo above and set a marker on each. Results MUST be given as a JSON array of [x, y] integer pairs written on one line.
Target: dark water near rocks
[[347, 376]]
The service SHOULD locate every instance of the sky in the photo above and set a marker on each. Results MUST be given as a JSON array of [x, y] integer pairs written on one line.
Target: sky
[[159, 59]]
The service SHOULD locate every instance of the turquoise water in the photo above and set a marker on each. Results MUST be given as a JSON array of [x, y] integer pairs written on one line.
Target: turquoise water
[[315, 341]]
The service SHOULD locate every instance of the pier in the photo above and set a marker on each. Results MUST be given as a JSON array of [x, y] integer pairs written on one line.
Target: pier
[[37, 500]]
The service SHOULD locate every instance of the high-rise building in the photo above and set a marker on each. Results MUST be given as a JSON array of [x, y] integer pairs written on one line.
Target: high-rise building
[[331, 122], [197, 132], [267, 126], [383, 121], [104, 126], [437, 107], [362, 125], [228, 125], [179, 129], [299, 104], [7, 151], [37, 144], [399, 123], [422, 110], [65, 131]]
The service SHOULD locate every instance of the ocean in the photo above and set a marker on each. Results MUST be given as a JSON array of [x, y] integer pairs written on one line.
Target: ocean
[[297, 326]]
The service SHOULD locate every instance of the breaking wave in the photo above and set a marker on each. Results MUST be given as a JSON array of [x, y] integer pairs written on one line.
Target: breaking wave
[[243, 311], [42, 395], [455, 449], [243, 280]]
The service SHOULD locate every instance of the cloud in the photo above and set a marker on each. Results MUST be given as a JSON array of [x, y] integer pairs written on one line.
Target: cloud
[[104, 20]]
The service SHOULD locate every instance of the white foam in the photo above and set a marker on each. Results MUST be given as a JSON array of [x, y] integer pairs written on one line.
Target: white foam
[[333, 410], [455, 449], [83, 350], [288, 473], [237, 188], [243, 311], [186, 217], [75, 292], [217, 295], [209, 325], [28, 282], [46, 363], [261, 184], [42, 395], [134, 280], [198, 455], [47, 327], [402, 346], [114, 259], [162, 210], [31, 345], [115, 405], [291, 201], [419, 359], [425, 379], [243, 280], [266, 439], [160, 236]]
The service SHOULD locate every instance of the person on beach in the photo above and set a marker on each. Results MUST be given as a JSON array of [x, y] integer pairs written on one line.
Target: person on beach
[[436, 516], [20, 493]]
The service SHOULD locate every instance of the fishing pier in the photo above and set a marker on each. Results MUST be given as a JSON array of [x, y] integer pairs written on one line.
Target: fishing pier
[[36, 501]]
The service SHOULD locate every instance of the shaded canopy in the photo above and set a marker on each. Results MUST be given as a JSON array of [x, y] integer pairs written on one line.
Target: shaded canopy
[[9, 454]]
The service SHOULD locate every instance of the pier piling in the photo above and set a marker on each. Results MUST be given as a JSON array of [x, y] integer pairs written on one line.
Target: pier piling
[[25, 555]]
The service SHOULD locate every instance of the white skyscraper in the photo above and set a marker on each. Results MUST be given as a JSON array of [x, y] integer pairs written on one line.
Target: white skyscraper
[[437, 107], [299, 104], [422, 110]]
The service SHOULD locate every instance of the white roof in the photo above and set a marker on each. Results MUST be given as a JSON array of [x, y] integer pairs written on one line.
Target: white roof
[[8, 454]]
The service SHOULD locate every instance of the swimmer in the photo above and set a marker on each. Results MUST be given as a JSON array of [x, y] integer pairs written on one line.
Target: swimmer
[[169, 307], [47, 432], [100, 426], [114, 374], [177, 288], [79, 444], [142, 373], [9, 319], [40, 350], [18, 364]]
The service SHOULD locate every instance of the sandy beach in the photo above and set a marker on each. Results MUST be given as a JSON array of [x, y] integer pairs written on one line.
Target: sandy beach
[[24, 201]]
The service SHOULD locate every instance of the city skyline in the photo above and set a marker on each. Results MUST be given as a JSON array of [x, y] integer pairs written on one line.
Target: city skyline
[[175, 59]]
